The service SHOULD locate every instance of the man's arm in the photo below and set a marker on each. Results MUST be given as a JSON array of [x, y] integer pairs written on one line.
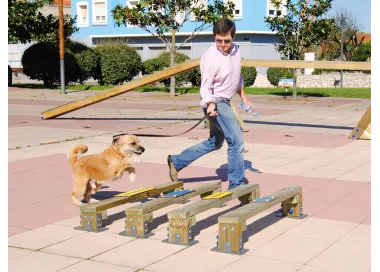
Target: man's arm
[[207, 79], [243, 96]]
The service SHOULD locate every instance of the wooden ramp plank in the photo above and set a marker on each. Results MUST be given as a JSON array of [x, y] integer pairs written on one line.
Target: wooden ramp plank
[[139, 217], [238, 118], [254, 208], [162, 202], [120, 200], [362, 126], [168, 72]]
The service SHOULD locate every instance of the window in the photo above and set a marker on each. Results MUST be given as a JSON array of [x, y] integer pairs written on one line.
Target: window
[[273, 11], [238, 13], [99, 12], [132, 4], [82, 12], [197, 4]]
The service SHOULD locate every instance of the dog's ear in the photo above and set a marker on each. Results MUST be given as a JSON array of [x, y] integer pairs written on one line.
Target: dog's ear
[[117, 137]]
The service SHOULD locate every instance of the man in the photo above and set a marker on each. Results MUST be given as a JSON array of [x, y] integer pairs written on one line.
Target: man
[[221, 79]]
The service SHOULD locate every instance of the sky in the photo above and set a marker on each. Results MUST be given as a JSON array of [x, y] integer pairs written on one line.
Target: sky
[[359, 8]]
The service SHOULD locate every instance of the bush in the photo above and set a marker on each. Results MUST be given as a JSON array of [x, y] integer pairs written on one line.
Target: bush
[[118, 63], [327, 71], [249, 75], [87, 60], [275, 74], [194, 77], [41, 62], [163, 61], [362, 52]]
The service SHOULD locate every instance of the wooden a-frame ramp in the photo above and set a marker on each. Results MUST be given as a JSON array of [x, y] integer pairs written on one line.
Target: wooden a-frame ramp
[[191, 64]]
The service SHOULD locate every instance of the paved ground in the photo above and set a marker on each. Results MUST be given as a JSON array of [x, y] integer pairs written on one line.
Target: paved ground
[[291, 143]]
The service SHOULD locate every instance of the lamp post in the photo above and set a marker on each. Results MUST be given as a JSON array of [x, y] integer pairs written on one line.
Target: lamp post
[[61, 47]]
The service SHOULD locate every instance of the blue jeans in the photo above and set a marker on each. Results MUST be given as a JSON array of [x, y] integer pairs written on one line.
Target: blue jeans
[[223, 126]]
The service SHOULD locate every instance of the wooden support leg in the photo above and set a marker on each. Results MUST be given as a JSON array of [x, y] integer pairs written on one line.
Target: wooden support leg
[[230, 238], [180, 231], [138, 225], [249, 197], [293, 206], [238, 118], [91, 221]]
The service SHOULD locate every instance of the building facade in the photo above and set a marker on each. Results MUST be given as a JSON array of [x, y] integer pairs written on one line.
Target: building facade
[[253, 36]]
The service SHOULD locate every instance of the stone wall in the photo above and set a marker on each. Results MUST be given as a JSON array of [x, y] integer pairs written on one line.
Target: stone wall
[[350, 80]]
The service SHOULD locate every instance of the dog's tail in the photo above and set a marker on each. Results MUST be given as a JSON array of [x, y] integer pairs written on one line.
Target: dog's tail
[[72, 155]]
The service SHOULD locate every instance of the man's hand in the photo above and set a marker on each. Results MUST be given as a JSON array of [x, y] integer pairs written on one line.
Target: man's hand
[[211, 109], [245, 99], [247, 103]]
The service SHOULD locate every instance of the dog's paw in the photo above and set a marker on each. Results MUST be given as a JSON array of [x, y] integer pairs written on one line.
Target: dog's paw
[[132, 177], [78, 204], [92, 201]]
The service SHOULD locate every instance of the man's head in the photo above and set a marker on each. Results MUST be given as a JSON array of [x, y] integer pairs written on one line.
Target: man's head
[[224, 32]]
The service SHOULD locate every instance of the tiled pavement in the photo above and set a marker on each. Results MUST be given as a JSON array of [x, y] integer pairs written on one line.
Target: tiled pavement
[[291, 143]]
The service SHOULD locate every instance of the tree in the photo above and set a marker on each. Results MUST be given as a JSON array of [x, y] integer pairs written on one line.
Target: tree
[[303, 27], [347, 23], [26, 23], [163, 18]]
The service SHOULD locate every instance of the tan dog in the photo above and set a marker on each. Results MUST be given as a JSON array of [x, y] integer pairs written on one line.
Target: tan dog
[[91, 171]]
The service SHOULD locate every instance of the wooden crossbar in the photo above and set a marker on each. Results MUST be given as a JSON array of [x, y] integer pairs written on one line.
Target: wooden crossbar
[[181, 220], [92, 216], [317, 64], [232, 224], [139, 217], [188, 65]]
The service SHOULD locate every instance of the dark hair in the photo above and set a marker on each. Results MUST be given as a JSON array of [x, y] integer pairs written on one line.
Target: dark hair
[[223, 26]]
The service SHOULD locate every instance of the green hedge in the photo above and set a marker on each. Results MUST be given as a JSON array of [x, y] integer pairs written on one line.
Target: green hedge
[[118, 63], [163, 61], [275, 74], [41, 61], [86, 58], [249, 75]]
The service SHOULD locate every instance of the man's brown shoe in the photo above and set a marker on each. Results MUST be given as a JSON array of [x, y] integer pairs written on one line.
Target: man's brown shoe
[[173, 173]]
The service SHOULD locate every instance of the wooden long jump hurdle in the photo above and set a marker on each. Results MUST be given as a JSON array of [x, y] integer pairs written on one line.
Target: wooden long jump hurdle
[[232, 224], [91, 215], [182, 220], [140, 216]]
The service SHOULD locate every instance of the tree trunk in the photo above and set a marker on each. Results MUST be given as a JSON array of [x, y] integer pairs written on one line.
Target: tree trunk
[[297, 72], [172, 54]]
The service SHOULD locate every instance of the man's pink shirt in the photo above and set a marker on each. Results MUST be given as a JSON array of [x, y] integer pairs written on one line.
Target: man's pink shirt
[[220, 74]]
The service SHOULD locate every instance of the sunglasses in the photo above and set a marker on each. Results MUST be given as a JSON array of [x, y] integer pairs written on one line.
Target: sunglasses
[[225, 41]]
